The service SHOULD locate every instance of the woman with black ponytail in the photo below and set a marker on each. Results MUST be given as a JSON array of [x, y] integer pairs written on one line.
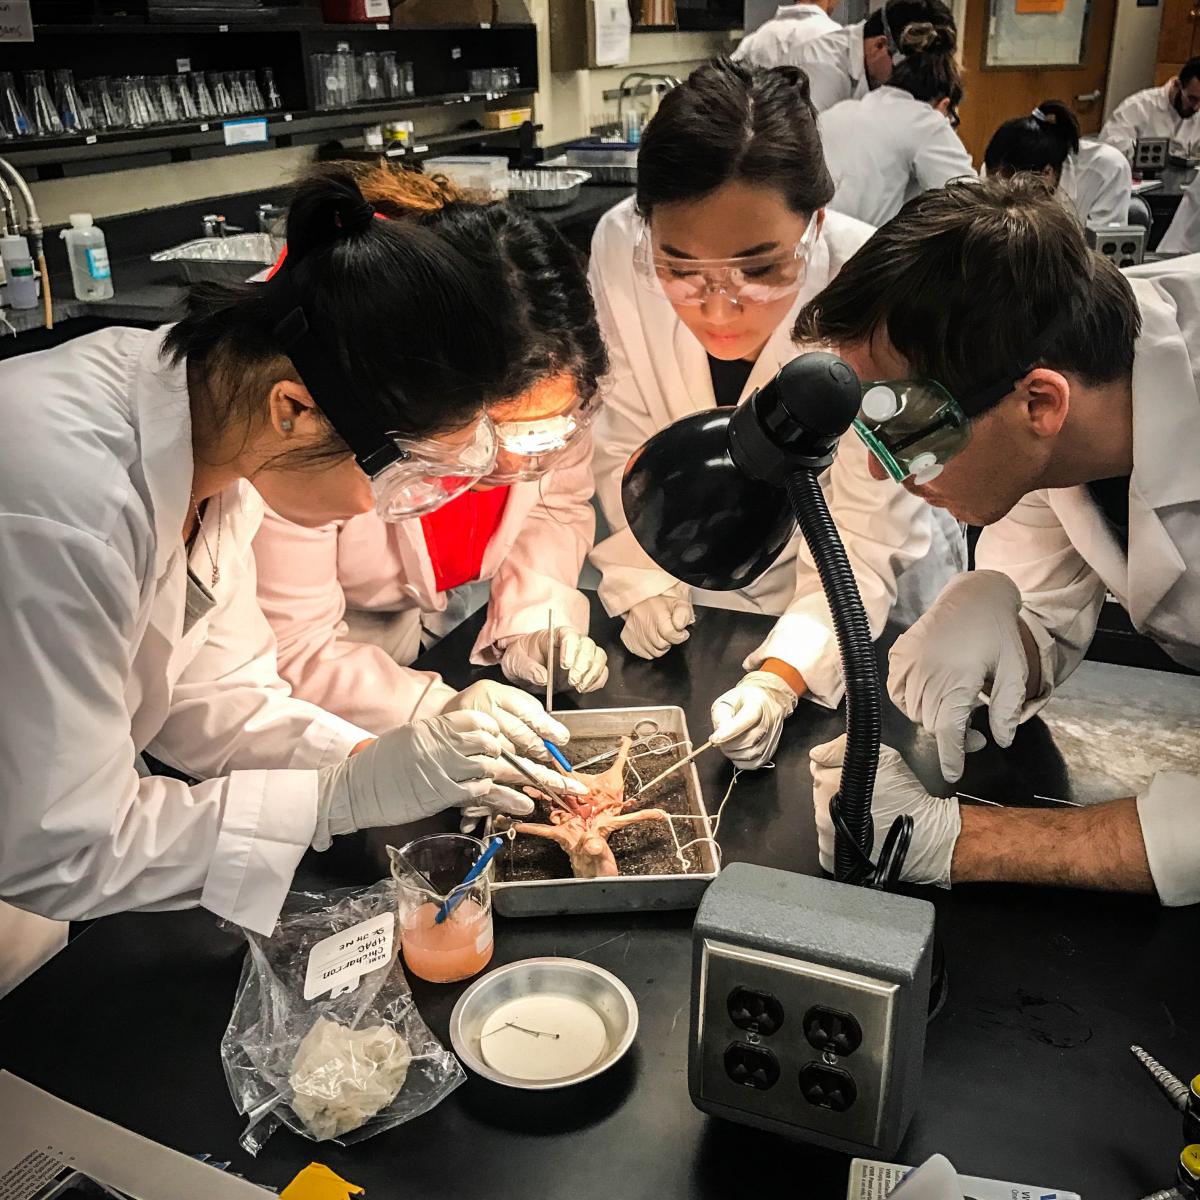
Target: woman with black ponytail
[[697, 282], [1093, 178], [899, 140], [150, 756]]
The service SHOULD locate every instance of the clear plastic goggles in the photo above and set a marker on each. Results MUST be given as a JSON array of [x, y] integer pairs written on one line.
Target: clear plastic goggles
[[754, 279], [433, 471], [528, 449], [912, 426]]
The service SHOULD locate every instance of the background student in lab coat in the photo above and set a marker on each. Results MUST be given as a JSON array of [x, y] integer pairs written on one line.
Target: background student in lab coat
[[697, 280], [846, 64], [1081, 464], [129, 497], [1093, 177], [898, 140], [1183, 233], [774, 42], [1171, 111], [347, 600]]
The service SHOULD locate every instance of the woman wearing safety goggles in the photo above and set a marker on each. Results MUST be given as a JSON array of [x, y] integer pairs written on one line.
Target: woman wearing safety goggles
[[500, 505], [698, 280], [130, 493]]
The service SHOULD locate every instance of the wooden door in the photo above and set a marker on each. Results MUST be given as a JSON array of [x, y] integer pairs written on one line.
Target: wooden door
[[994, 94], [1179, 38]]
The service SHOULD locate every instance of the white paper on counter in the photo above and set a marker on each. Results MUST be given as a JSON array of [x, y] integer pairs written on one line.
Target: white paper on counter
[[44, 1139]]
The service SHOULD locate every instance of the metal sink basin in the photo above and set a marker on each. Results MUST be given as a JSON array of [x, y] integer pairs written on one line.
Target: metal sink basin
[[231, 259]]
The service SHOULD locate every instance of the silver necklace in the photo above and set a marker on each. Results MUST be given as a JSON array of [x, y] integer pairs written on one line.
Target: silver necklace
[[212, 558]]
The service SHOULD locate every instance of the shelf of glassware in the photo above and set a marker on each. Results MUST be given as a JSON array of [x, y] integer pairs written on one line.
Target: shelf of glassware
[[282, 129]]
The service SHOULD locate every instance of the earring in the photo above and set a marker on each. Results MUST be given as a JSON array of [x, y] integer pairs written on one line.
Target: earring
[[286, 426]]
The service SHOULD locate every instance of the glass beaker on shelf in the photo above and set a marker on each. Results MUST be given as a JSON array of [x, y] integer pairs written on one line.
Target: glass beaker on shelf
[[428, 873], [108, 103], [71, 109], [44, 120], [13, 109], [164, 98], [370, 79]]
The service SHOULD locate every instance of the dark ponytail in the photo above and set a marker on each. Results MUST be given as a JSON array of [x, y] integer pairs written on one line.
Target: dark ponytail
[[1043, 139], [409, 320], [732, 121], [928, 71]]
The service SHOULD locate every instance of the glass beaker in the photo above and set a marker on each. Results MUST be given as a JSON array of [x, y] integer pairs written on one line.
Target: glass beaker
[[428, 873], [238, 98], [108, 104], [43, 117]]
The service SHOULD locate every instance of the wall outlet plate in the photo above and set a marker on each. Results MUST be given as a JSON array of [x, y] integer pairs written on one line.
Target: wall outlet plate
[[809, 1004], [1150, 154], [1124, 245]]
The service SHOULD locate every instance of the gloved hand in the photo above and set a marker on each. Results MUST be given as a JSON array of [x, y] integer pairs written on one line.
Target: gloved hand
[[748, 719], [473, 813], [522, 720], [654, 625], [524, 659], [969, 642], [936, 820], [415, 771]]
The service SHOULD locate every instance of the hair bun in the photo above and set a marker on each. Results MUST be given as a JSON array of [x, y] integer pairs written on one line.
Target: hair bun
[[794, 77], [355, 215], [923, 37]]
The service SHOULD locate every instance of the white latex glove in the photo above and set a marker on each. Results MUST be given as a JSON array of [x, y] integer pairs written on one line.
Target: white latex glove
[[473, 813], [522, 719], [968, 643], [748, 719], [654, 625], [524, 659], [416, 771], [936, 820]]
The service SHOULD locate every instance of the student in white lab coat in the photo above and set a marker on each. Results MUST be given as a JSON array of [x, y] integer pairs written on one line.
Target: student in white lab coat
[[697, 281], [130, 481], [1171, 111], [846, 64], [898, 140], [1093, 177], [347, 600], [1081, 389], [774, 42], [1183, 233]]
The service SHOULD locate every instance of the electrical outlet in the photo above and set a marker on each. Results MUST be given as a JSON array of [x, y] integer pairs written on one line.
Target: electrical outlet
[[809, 1004]]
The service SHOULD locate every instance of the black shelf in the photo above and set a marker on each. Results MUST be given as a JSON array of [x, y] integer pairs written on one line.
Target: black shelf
[[447, 141], [227, 28]]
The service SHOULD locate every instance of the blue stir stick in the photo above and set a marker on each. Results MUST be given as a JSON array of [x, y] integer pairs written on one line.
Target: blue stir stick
[[556, 754], [459, 894]]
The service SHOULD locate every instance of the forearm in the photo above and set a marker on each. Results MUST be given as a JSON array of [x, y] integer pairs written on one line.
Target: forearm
[[1098, 847]]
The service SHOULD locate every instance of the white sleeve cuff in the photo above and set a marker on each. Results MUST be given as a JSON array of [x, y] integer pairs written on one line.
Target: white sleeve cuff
[[1048, 657], [570, 608], [1169, 810], [328, 740], [628, 575], [804, 638], [268, 823]]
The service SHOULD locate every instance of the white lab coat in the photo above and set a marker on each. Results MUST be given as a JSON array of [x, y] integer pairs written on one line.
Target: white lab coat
[[1098, 184], [659, 373], [774, 43], [1057, 548], [311, 580], [1183, 233], [95, 481], [834, 65], [1150, 114], [885, 149]]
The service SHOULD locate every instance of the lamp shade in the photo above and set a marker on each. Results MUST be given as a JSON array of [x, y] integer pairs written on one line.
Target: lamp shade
[[696, 513]]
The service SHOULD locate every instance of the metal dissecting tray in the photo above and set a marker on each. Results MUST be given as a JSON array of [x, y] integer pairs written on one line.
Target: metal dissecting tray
[[624, 893], [231, 259]]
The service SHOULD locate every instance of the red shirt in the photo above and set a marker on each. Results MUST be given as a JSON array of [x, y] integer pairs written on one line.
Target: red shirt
[[458, 533]]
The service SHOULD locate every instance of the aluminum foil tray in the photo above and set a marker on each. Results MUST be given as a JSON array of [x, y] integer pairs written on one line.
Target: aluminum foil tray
[[546, 187], [624, 893], [229, 259]]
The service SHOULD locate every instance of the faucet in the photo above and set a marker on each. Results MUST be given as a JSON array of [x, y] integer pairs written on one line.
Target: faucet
[[215, 226], [32, 229], [645, 76]]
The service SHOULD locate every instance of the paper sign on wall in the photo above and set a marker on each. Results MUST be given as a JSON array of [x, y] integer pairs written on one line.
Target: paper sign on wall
[[612, 30], [16, 21], [1041, 6]]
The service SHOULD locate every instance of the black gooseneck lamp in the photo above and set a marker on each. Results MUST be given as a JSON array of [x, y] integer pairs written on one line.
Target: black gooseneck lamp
[[715, 497]]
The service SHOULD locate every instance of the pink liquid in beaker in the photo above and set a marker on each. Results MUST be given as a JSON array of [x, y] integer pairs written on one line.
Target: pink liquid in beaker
[[461, 946]]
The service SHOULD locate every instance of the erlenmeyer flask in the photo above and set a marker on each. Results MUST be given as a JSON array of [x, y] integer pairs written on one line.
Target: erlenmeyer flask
[[13, 109], [237, 92], [271, 89], [43, 119], [165, 95], [71, 109], [219, 91], [253, 94], [205, 103], [185, 102]]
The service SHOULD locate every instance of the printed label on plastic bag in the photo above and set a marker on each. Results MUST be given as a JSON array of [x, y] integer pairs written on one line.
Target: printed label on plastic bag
[[337, 963], [870, 1180]]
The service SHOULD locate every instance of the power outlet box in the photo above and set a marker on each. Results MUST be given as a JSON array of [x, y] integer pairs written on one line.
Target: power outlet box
[[809, 1003], [1150, 154], [1124, 245]]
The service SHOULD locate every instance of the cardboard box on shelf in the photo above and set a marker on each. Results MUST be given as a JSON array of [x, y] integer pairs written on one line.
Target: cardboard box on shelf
[[442, 12], [506, 118]]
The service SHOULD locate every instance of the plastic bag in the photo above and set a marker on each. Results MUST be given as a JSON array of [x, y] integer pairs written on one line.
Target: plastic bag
[[336, 1067]]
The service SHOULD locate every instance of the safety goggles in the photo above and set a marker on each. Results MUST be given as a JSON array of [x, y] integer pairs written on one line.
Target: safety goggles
[[528, 449], [753, 279], [912, 426], [432, 471]]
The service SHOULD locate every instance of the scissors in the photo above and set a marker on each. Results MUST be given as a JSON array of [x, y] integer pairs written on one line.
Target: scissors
[[647, 734]]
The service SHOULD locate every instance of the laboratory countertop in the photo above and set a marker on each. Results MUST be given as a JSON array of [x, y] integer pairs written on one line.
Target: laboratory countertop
[[1027, 1075]]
